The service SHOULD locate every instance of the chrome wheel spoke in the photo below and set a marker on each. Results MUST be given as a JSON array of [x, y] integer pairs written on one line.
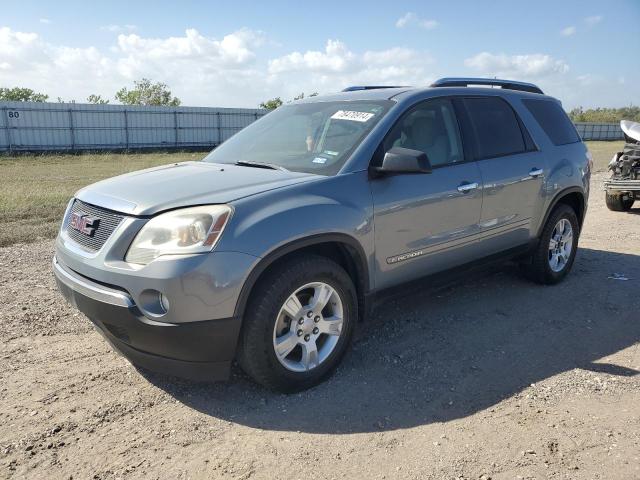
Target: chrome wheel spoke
[[568, 238], [292, 306], [553, 244], [331, 325], [321, 296], [309, 355], [285, 344]]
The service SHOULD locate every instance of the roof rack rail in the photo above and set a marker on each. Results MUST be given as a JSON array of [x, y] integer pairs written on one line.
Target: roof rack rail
[[370, 87], [469, 81]]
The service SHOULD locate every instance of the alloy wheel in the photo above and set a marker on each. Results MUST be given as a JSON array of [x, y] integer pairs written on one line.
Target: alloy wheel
[[308, 327], [560, 245]]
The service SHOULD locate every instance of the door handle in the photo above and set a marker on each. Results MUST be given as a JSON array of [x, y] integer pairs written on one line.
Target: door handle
[[467, 187], [536, 172]]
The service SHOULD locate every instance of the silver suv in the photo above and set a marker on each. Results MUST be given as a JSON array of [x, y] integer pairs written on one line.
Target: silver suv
[[273, 247]]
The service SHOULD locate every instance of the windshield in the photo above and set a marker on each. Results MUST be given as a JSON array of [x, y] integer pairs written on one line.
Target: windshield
[[308, 137]]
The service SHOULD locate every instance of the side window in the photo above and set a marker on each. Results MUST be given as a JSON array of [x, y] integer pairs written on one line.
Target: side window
[[432, 128], [553, 120], [496, 127]]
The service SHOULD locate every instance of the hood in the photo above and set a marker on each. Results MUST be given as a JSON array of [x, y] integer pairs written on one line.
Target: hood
[[153, 190], [631, 130]]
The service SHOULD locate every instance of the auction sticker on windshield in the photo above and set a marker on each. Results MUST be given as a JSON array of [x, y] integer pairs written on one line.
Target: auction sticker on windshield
[[352, 115]]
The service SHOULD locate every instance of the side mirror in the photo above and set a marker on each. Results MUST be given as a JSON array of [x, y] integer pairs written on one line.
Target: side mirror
[[404, 160]]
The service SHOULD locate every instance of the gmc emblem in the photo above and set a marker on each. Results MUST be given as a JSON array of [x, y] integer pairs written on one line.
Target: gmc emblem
[[84, 223]]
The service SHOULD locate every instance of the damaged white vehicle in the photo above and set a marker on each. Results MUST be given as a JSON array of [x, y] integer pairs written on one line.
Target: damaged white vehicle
[[623, 188]]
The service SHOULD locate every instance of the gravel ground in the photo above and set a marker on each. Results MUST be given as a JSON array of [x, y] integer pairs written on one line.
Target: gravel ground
[[492, 377]]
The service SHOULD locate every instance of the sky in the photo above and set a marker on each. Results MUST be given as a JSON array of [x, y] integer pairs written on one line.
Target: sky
[[237, 54]]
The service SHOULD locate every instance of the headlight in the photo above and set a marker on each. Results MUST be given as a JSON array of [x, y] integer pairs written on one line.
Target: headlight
[[187, 230]]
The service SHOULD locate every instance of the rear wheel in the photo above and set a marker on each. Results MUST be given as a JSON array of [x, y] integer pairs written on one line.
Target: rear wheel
[[553, 257], [619, 202], [298, 324]]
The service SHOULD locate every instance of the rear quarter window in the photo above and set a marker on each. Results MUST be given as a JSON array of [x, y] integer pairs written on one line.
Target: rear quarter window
[[553, 120], [496, 127]]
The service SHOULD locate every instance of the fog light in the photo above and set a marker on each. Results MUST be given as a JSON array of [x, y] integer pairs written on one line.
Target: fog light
[[153, 303], [164, 301]]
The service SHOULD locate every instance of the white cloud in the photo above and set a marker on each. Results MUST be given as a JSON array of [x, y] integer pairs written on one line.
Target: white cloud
[[199, 69], [118, 28], [335, 58], [411, 18], [567, 32], [555, 78], [235, 70], [337, 66], [45, 21], [593, 20], [517, 66], [235, 48]]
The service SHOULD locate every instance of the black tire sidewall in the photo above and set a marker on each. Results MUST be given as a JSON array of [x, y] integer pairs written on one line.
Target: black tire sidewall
[[616, 202], [566, 212], [266, 303]]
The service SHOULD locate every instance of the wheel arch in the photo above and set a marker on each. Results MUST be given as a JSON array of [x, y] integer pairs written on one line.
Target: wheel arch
[[572, 196], [341, 248]]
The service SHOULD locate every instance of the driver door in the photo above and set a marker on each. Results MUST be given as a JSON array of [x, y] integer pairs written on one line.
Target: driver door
[[425, 223]]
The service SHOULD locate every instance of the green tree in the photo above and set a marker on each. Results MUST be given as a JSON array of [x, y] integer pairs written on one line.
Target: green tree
[[276, 102], [605, 115], [17, 94], [147, 93], [96, 99], [272, 104]]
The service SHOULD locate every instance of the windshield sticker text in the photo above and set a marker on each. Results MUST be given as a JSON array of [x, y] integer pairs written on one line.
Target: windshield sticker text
[[352, 115]]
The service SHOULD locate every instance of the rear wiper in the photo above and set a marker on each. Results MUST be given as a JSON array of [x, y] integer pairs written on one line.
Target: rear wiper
[[272, 166]]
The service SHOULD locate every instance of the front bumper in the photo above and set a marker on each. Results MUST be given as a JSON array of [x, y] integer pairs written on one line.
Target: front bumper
[[201, 350], [622, 185]]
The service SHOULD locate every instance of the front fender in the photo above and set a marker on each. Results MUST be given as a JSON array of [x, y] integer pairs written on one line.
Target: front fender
[[339, 206]]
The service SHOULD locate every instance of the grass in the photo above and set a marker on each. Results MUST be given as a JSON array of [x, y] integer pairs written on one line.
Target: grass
[[602, 153], [35, 189]]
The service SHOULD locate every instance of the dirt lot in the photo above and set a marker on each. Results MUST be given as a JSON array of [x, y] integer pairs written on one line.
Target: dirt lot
[[491, 378]]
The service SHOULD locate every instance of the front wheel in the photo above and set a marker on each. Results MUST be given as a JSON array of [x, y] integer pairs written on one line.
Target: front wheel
[[298, 324], [619, 202], [553, 258]]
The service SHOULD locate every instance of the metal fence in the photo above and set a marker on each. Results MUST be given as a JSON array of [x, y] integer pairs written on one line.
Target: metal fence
[[30, 126], [599, 131], [72, 126]]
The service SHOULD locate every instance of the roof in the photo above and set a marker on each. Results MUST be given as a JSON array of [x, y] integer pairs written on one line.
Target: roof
[[444, 86]]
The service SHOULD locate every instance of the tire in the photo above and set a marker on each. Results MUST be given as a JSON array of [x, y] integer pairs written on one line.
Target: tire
[[268, 321], [617, 202], [542, 268]]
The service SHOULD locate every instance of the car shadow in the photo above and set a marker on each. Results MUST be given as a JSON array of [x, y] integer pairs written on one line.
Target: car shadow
[[636, 209], [447, 353]]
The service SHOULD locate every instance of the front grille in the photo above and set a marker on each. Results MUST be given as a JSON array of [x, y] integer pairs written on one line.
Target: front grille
[[108, 221]]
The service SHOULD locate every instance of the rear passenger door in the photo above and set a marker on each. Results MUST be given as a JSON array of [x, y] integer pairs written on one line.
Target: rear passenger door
[[512, 170]]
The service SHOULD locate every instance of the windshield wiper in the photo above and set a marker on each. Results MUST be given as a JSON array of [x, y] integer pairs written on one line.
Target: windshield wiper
[[272, 166]]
